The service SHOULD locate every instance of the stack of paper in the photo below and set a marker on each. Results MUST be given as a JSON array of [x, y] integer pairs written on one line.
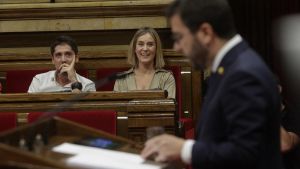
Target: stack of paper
[[97, 158]]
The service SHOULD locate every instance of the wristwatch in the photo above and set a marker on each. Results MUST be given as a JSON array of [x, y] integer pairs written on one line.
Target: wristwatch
[[76, 85]]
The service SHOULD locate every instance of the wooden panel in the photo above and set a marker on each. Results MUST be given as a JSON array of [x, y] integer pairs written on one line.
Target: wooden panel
[[23, 1], [54, 131], [139, 134], [91, 96], [83, 38], [84, 64], [104, 9], [137, 109], [29, 54], [144, 106], [59, 1], [78, 24], [154, 120], [197, 94], [123, 101], [187, 89], [98, 58]]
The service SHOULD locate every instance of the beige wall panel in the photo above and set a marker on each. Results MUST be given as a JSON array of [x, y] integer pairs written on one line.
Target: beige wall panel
[[51, 25], [121, 2], [23, 1], [83, 4], [81, 24], [43, 50], [135, 22]]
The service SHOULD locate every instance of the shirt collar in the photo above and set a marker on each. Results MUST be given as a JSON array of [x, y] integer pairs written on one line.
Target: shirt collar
[[222, 52], [131, 70]]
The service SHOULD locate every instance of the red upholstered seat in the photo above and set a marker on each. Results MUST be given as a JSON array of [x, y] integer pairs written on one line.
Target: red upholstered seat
[[99, 119], [8, 121], [18, 81], [104, 72]]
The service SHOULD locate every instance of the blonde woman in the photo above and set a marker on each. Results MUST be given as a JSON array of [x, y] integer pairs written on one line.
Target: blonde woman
[[146, 57]]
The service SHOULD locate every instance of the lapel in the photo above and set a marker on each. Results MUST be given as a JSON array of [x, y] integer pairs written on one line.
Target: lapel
[[215, 82]]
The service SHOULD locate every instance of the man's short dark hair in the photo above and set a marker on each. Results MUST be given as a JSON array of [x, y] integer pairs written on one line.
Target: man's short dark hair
[[63, 39], [193, 13]]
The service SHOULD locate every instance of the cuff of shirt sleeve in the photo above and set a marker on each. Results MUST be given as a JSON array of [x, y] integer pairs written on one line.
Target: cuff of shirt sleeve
[[186, 151]]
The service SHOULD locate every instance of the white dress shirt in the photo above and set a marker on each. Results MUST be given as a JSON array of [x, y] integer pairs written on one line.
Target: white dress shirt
[[46, 82]]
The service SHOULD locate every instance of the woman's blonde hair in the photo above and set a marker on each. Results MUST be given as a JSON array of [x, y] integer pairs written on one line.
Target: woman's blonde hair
[[132, 58]]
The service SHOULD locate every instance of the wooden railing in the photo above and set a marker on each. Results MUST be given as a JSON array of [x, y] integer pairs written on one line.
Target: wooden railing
[[136, 110]]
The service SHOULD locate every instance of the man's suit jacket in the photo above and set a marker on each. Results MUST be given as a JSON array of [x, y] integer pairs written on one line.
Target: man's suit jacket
[[239, 123]]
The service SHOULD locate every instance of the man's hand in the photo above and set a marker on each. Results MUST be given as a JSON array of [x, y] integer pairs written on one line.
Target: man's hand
[[69, 70], [165, 148], [288, 140]]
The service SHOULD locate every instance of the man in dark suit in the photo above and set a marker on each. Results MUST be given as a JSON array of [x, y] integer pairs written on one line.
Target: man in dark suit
[[239, 123]]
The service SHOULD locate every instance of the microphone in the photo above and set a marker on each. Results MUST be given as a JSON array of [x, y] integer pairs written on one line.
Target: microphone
[[110, 78]]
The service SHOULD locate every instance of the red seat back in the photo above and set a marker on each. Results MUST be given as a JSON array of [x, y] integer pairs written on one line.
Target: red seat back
[[99, 119], [104, 72], [18, 81], [178, 79], [8, 121], [187, 124]]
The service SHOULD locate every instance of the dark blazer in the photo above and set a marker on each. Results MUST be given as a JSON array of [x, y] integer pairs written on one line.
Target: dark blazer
[[239, 124]]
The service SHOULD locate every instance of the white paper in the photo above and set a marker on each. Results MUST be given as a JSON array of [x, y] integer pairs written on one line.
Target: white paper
[[97, 158]]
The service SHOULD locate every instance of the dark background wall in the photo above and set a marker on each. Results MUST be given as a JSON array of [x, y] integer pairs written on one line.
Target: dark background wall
[[254, 21]]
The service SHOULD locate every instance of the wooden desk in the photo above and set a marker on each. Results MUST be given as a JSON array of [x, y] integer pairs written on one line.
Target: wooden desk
[[136, 110], [54, 131]]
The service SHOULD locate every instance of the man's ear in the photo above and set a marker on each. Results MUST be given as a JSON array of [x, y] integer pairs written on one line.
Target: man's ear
[[205, 33]]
